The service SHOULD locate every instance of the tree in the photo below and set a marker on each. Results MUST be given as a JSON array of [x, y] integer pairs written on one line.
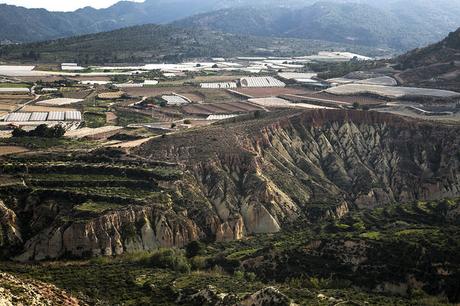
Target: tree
[[356, 105], [42, 131], [18, 132]]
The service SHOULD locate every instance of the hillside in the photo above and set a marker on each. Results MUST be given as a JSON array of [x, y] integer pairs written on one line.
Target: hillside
[[397, 25], [160, 43], [437, 65], [17, 291], [266, 175], [342, 204]]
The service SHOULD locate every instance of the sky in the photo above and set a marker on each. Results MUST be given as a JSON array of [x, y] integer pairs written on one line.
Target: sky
[[61, 5]]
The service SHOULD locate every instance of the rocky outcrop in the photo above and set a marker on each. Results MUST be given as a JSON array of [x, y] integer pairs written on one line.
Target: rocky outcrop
[[211, 296], [10, 234], [267, 296], [14, 291], [123, 231]]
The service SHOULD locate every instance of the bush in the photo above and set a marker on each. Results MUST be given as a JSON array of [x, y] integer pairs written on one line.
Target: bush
[[199, 262], [170, 259], [195, 248]]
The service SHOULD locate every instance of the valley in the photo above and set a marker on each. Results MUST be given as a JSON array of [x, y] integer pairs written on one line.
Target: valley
[[224, 156]]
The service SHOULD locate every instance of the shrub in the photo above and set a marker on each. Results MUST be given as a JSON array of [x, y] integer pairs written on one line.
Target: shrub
[[250, 276], [195, 248], [199, 262], [170, 259]]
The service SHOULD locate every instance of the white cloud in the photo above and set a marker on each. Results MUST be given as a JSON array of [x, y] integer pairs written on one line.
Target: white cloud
[[61, 5]]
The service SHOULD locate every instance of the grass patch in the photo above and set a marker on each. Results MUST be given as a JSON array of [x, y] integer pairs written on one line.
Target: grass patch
[[14, 85], [127, 118], [241, 254], [371, 235], [94, 120], [97, 207], [46, 143]]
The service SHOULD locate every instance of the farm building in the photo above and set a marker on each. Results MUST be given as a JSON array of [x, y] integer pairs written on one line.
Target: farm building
[[59, 102], [49, 89], [43, 116], [220, 117], [175, 100], [129, 85], [150, 82], [300, 77], [261, 82], [14, 90], [137, 85], [218, 85], [71, 66], [94, 82]]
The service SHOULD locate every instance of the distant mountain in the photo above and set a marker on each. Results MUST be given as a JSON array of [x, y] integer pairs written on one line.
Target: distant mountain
[[401, 25], [19, 24], [437, 65], [164, 43]]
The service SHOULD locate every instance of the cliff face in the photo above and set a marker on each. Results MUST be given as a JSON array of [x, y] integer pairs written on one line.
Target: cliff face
[[242, 178], [129, 230], [312, 165]]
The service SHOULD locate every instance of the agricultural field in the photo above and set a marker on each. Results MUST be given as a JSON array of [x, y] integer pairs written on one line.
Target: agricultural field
[[10, 102], [391, 92], [270, 92], [274, 102], [334, 99], [192, 93], [6, 150], [220, 108]]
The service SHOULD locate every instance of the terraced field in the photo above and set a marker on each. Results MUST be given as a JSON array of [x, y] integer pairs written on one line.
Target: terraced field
[[84, 180]]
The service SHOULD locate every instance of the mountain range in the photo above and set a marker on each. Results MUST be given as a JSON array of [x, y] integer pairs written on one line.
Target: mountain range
[[398, 24]]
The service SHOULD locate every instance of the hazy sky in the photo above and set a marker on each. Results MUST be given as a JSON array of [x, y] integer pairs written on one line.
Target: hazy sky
[[61, 5]]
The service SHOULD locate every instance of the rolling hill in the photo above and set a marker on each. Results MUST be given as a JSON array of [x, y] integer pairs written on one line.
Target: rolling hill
[[159, 43], [437, 65]]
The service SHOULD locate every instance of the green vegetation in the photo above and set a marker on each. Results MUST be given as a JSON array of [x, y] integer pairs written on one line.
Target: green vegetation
[[97, 207], [14, 85], [42, 131], [340, 69], [94, 120], [153, 43], [170, 259], [125, 118], [46, 143]]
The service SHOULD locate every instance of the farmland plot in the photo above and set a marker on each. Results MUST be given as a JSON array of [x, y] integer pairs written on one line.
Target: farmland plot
[[391, 91]]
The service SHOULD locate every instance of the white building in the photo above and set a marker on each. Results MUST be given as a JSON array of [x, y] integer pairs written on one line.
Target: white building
[[261, 82]]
